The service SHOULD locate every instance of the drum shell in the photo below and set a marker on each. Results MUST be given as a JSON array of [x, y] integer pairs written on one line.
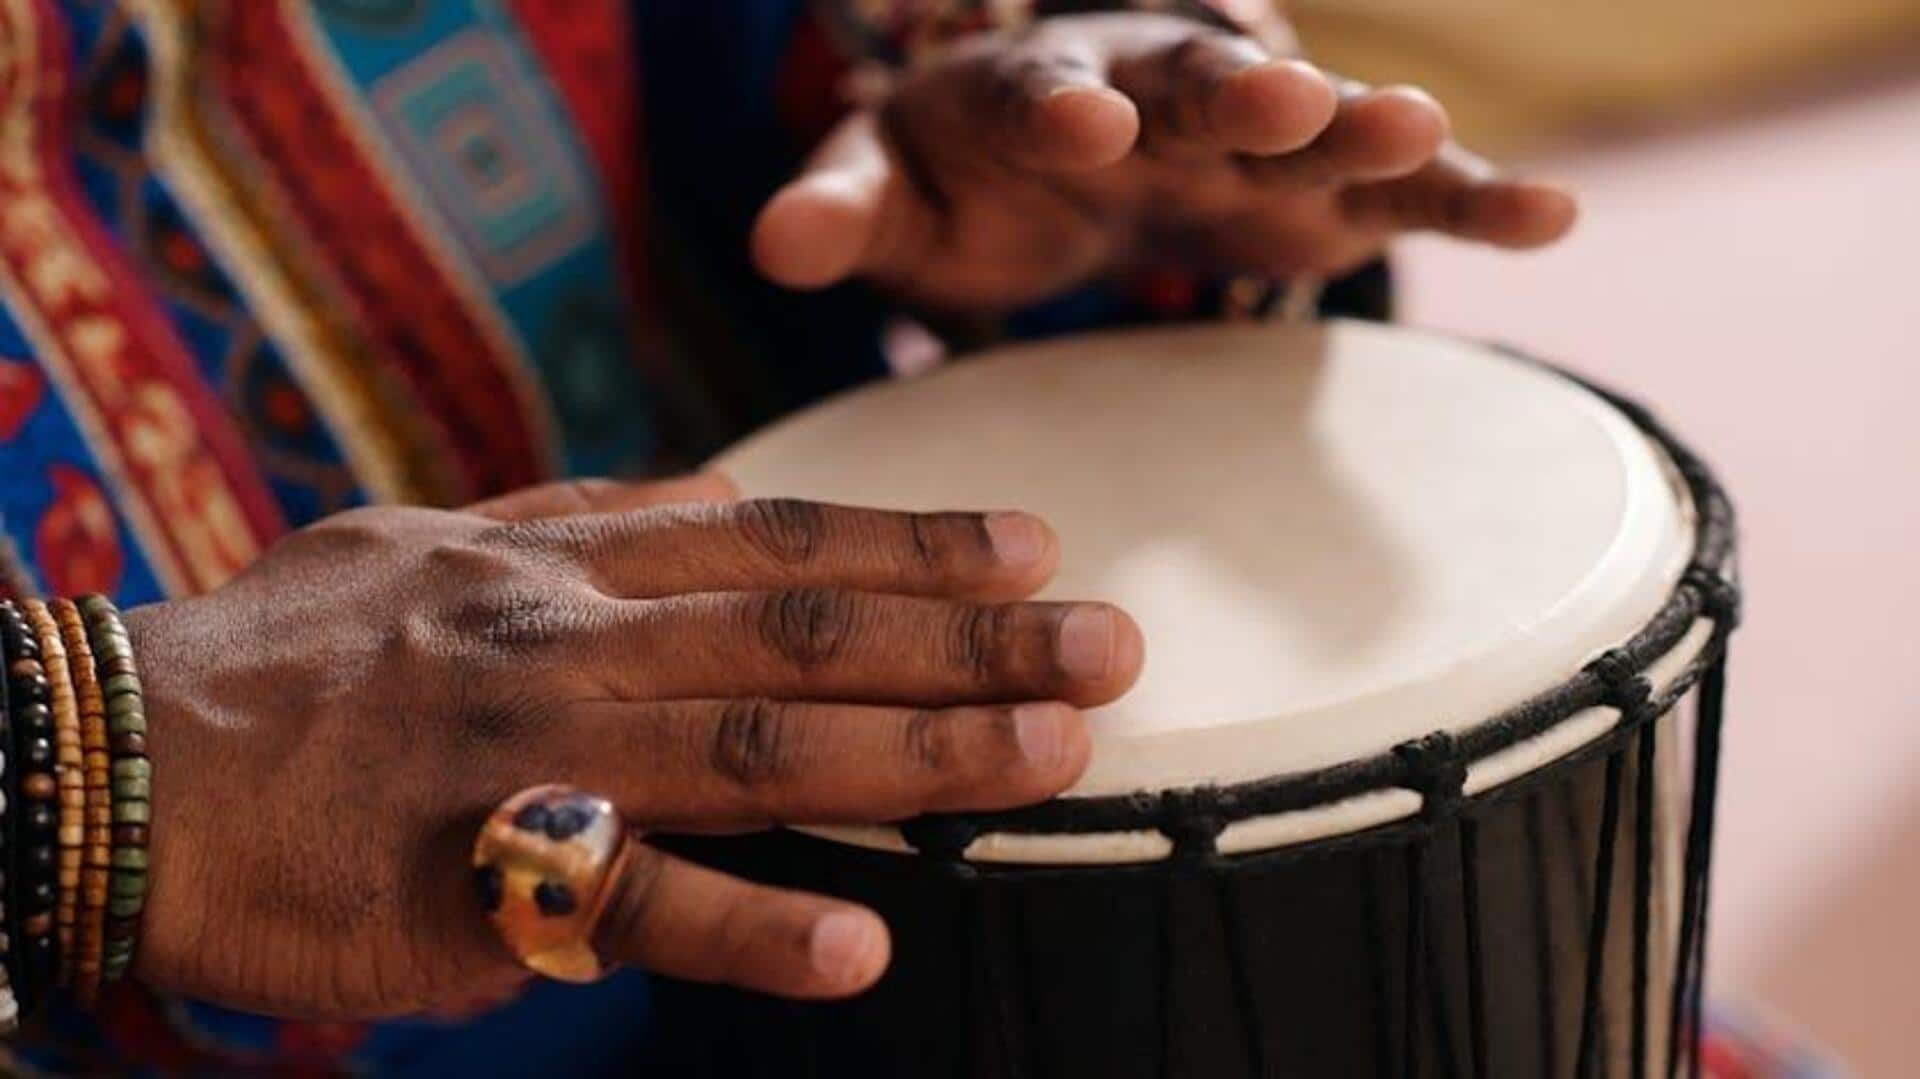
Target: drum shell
[[1461, 943]]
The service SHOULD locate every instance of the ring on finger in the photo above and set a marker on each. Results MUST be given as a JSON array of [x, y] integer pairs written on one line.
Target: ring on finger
[[544, 863]]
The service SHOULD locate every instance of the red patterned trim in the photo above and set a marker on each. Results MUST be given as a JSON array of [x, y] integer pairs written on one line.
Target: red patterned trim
[[405, 305], [183, 469]]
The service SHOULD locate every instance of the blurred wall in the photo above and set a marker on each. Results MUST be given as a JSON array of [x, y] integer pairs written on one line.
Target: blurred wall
[[1516, 72], [1754, 283]]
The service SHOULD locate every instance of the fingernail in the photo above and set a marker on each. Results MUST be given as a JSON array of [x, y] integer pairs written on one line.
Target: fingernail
[[1086, 642], [840, 945], [1042, 731], [1018, 539]]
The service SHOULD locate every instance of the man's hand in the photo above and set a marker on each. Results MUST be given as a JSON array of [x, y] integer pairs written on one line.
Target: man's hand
[[329, 729], [1019, 164]]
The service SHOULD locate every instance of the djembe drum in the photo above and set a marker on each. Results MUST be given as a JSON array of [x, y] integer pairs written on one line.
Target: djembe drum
[[1403, 790]]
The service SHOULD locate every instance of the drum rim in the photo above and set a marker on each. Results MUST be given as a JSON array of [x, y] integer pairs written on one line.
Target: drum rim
[[1433, 766]]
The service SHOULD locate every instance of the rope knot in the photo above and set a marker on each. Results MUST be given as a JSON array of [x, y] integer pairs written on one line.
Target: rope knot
[[943, 836], [1626, 690], [1719, 597], [1193, 819], [1436, 770]]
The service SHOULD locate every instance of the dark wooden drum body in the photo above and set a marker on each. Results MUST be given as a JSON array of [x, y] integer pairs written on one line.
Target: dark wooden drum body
[[1517, 893]]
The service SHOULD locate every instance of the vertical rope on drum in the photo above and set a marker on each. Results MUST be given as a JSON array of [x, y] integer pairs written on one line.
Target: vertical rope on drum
[[1642, 893], [1476, 958], [999, 980], [1435, 767], [1168, 1066], [1377, 950], [1712, 703], [1597, 925], [986, 973], [946, 839], [1437, 1000], [1193, 819], [1543, 935], [1689, 962], [1238, 948], [1416, 948]]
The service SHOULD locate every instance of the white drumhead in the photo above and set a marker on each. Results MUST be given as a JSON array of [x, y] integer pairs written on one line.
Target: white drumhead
[[1335, 538]]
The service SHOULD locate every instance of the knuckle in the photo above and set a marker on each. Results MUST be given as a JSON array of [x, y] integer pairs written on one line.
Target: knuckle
[[810, 627], [357, 532], [466, 563], [927, 740], [754, 743], [512, 619], [539, 537], [786, 530], [1019, 80], [738, 947], [363, 523], [581, 494], [979, 640], [944, 545]]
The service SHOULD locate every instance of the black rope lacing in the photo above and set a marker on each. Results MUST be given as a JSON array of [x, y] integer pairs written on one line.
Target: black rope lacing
[[1436, 766]]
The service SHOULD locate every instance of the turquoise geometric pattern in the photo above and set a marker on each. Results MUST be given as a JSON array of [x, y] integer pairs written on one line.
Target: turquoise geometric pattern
[[464, 107], [466, 123]]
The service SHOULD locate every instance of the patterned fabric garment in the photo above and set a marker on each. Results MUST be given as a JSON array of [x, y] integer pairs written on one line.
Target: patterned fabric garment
[[264, 260]]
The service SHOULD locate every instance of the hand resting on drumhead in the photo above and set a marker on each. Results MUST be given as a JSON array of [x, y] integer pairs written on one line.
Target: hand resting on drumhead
[[330, 729], [1017, 164]]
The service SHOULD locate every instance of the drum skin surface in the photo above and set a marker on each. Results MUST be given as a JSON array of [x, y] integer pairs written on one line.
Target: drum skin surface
[[1333, 537], [1406, 788]]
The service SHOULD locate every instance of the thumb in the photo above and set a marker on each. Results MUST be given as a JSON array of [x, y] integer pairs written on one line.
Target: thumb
[[605, 496], [824, 225]]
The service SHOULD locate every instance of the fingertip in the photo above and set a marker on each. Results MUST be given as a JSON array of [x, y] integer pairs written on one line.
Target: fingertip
[[1027, 551], [1273, 107], [1101, 652], [1130, 652], [1054, 743], [1401, 127], [812, 233], [848, 948], [1083, 127], [1540, 214]]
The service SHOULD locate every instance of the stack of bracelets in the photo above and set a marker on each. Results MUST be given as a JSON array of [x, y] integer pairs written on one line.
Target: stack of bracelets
[[74, 802]]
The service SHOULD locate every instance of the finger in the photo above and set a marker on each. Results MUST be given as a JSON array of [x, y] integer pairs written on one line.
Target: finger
[[752, 762], [821, 227], [1042, 104], [605, 496], [1374, 135], [819, 644], [1216, 93], [1463, 196], [766, 544], [682, 920]]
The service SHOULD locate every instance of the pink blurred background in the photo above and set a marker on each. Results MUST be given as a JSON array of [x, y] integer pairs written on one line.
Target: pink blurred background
[[1754, 278]]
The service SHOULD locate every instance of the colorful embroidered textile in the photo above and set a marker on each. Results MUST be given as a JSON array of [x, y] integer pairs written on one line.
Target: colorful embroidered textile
[[264, 260]]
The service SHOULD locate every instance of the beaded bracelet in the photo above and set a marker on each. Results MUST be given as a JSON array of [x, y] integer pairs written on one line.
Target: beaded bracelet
[[34, 883], [69, 771], [131, 786], [9, 908], [97, 836]]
